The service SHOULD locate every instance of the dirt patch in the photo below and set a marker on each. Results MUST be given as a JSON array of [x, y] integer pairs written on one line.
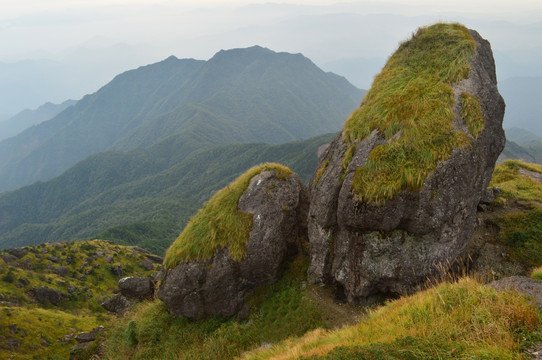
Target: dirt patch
[[335, 313]]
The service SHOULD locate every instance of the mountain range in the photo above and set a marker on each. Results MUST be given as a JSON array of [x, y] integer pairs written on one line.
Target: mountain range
[[238, 96]]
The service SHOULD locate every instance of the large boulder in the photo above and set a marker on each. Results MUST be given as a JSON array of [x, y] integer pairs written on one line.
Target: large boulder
[[394, 198], [239, 240]]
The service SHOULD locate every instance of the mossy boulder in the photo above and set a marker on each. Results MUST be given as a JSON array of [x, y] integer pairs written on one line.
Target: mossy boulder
[[395, 196], [239, 240]]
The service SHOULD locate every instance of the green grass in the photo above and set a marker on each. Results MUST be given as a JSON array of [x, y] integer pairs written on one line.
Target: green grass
[[537, 273], [514, 185], [219, 223], [463, 320], [471, 113], [86, 278], [413, 97], [321, 171], [279, 311], [521, 232]]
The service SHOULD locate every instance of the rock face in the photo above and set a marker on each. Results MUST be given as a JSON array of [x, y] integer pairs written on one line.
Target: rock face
[[219, 285], [378, 248]]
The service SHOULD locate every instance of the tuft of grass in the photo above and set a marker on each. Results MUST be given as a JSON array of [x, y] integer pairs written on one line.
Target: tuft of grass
[[537, 273], [219, 223], [413, 97], [321, 171], [278, 311], [471, 113], [347, 158]]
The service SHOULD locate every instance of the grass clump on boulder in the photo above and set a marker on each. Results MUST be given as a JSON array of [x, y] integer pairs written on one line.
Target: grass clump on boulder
[[411, 104], [219, 223]]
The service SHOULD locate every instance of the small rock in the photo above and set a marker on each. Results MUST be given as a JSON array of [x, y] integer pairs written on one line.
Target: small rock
[[117, 270], [8, 258], [155, 258], [147, 265], [44, 295], [136, 288], [117, 304], [12, 343]]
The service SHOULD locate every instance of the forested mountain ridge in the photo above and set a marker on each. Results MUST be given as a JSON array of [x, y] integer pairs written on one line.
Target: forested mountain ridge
[[143, 196], [240, 95]]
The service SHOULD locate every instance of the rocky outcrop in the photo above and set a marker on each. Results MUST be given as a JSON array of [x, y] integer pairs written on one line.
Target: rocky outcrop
[[44, 295], [219, 284], [388, 247]]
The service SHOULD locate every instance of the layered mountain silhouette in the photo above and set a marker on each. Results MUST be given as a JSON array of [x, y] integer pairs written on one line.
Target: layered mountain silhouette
[[241, 95]]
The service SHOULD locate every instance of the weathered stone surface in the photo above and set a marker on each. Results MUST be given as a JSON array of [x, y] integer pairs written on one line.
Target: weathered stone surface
[[370, 249], [8, 258], [523, 285], [118, 304], [136, 288], [147, 264], [18, 252], [44, 295], [219, 285]]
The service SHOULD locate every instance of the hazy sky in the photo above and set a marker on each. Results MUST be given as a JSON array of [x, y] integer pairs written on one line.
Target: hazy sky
[[33, 28], [97, 39]]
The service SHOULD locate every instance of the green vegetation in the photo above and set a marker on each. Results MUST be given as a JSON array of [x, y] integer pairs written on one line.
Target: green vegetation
[[471, 113], [278, 311], [142, 197], [521, 232], [411, 98], [537, 273], [321, 171], [463, 320], [219, 223], [83, 272]]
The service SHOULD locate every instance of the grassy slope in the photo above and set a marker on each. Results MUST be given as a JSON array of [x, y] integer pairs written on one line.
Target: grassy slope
[[413, 97], [139, 197], [278, 311], [521, 232], [87, 275], [451, 321], [219, 223]]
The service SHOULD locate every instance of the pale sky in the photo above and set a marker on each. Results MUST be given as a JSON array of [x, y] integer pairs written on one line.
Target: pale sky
[[97, 39]]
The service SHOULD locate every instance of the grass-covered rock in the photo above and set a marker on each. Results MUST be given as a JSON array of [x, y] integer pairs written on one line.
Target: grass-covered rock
[[239, 240], [395, 196]]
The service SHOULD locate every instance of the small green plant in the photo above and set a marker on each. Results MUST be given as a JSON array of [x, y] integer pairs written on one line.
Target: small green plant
[[219, 223], [537, 273], [321, 171], [411, 98], [9, 277]]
